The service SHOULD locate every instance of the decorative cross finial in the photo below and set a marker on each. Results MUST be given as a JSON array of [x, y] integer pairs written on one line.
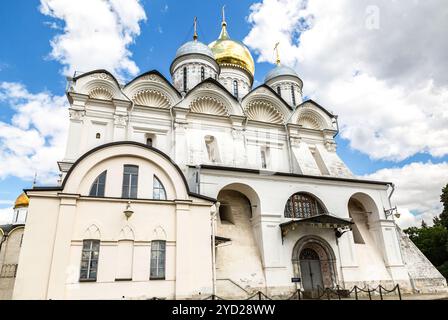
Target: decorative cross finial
[[195, 35], [34, 180], [224, 15], [277, 61]]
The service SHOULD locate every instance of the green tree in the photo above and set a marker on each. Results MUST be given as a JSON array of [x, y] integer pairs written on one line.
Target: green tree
[[444, 199], [433, 241]]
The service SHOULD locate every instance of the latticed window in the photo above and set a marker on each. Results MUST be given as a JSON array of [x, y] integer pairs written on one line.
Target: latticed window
[[158, 190], [158, 253], [302, 205], [89, 260], [308, 254], [202, 73], [98, 186], [8, 271]]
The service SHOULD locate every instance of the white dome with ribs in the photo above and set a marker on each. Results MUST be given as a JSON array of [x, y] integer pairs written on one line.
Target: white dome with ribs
[[263, 111], [208, 105], [151, 98]]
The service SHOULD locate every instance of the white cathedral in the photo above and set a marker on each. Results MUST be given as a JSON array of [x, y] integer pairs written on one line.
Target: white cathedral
[[205, 185]]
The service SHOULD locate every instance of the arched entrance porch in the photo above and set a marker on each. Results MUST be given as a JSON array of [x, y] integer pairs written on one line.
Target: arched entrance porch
[[314, 262]]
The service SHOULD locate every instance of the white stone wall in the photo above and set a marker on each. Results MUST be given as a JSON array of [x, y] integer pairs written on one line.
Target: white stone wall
[[229, 74], [60, 220]]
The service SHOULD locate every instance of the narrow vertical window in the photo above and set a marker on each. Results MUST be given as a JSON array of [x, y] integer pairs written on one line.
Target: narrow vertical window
[[158, 190], [185, 78], [149, 142], [279, 91], [98, 186], [264, 154], [293, 95], [202, 73], [235, 88], [158, 253], [130, 182], [89, 260]]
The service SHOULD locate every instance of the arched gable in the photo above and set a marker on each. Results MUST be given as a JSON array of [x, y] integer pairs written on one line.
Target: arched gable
[[152, 89], [210, 97], [97, 84], [310, 115], [76, 176], [262, 104]]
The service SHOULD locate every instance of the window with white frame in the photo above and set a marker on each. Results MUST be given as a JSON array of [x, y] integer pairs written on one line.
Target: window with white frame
[[89, 260], [158, 256], [130, 182], [98, 186], [158, 190]]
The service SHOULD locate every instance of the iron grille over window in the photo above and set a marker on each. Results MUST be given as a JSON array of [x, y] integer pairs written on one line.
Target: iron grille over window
[[158, 249], [89, 260], [158, 190], [308, 254], [8, 271], [202, 74], [130, 182], [302, 205], [98, 186]]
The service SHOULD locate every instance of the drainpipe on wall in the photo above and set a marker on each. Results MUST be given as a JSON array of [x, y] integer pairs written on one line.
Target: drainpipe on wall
[[392, 192]]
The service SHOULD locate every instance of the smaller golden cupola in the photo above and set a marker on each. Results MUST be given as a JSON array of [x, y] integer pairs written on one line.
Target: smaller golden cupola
[[230, 52], [22, 201]]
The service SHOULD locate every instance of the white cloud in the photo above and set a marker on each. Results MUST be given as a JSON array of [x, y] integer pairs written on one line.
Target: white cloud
[[418, 189], [6, 215], [388, 85], [35, 139], [96, 34]]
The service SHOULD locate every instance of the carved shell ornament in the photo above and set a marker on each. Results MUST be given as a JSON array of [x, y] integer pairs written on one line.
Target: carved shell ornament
[[100, 93], [263, 111], [208, 105], [151, 98], [310, 121]]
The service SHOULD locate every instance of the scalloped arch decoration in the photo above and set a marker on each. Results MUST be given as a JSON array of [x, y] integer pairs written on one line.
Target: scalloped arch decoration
[[151, 98], [208, 105], [310, 121], [263, 111], [100, 93]]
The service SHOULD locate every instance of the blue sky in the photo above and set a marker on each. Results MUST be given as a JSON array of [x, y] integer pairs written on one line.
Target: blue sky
[[26, 60]]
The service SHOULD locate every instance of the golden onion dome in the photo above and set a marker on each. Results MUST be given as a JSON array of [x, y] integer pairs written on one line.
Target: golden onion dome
[[232, 52], [22, 201]]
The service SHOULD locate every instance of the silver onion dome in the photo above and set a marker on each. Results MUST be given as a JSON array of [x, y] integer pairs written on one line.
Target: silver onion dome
[[280, 70], [194, 47]]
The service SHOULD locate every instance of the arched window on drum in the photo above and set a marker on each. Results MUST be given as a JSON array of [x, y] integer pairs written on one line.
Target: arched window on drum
[[303, 205]]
